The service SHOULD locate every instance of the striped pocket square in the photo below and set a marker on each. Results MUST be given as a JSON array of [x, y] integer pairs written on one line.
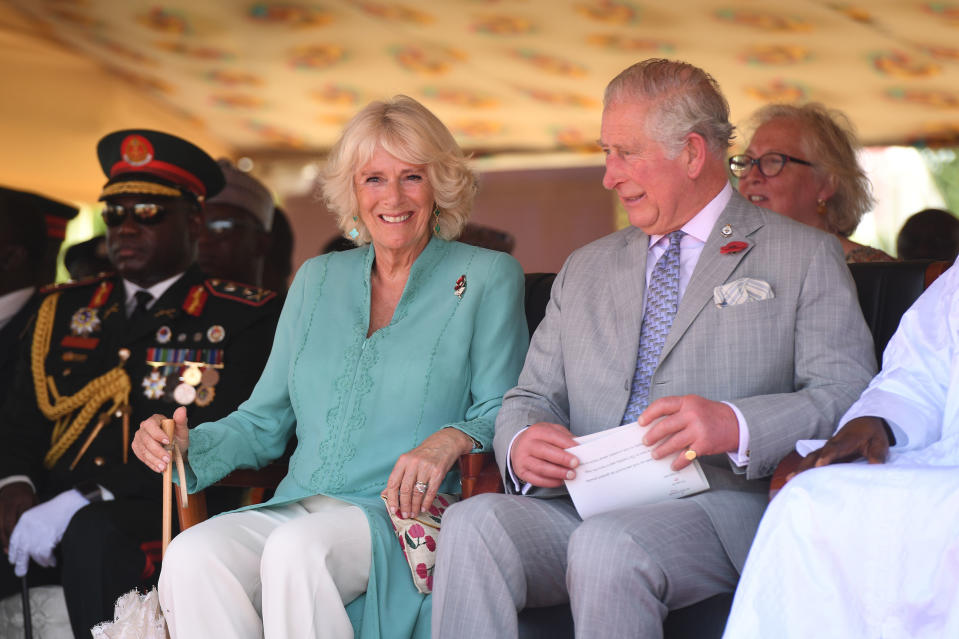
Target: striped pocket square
[[740, 291]]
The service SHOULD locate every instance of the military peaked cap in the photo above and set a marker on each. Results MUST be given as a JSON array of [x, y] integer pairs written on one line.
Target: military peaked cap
[[145, 162], [55, 214]]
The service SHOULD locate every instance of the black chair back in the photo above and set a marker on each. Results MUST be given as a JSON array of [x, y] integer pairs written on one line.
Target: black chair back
[[886, 290]]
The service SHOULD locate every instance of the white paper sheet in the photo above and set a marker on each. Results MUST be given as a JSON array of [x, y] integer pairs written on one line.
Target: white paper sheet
[[617, 471]]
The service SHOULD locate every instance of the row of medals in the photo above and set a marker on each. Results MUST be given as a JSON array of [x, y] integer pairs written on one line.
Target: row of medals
[[193, 383], [184, 382]]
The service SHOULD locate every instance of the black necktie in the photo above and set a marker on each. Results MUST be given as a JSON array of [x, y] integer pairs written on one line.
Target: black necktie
[[143, 299]]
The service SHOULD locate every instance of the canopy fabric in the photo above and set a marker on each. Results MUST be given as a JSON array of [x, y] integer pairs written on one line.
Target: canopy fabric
[[504, 75]]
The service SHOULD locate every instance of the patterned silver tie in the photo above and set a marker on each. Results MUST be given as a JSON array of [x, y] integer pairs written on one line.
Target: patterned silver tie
[[662, 300]]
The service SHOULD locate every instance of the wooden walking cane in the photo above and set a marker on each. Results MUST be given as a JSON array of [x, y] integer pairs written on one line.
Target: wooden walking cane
[[168, 426]]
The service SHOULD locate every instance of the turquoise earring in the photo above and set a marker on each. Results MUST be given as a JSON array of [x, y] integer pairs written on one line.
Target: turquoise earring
[[353, 232], [436, 212]]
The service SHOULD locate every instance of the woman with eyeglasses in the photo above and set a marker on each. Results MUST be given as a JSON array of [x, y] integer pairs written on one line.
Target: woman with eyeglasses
[[801, 163]]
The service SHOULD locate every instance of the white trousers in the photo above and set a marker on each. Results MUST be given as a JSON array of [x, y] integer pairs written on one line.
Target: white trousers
[[284, 571]]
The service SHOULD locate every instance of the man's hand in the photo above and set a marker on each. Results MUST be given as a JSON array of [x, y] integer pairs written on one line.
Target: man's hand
[[862, 437], [689, 422], [15, 499], [41, 528], [538, 456]]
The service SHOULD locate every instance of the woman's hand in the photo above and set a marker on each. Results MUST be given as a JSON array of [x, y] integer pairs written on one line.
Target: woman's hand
[[149, 442], [426, 464]]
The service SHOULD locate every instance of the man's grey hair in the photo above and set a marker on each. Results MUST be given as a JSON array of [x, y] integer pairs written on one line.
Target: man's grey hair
[[683, 99]]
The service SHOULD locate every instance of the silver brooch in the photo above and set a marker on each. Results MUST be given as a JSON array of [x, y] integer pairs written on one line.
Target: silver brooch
[[726, 231], [460, 287]]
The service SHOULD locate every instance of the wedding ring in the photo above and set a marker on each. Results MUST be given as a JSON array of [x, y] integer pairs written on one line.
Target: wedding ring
[[690, 454], [420, 487]]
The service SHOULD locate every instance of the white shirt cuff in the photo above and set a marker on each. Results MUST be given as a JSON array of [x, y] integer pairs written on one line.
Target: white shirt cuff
[[741, 457], [12, 479], [521, 487]]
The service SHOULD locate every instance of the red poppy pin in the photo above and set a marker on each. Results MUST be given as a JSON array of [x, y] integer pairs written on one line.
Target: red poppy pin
[[733, 247], [460, 287]]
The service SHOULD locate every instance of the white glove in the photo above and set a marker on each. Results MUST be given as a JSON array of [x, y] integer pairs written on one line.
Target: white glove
[[41, 528]]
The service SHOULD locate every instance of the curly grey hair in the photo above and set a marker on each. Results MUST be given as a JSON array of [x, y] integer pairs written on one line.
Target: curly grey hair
[[830, 143]]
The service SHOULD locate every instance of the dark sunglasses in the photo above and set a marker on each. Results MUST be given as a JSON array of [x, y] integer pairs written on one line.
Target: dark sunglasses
[[229, 225], [770, 164], [148, 213]]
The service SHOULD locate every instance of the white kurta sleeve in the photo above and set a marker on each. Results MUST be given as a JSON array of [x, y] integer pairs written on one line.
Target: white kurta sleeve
[[911, 391]]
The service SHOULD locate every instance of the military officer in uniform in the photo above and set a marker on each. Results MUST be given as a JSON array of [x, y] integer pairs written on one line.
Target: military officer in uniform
[[31, 229], [236, 238], [104, 354]]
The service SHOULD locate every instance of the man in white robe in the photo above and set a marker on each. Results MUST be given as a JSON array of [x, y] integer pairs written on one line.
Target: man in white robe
[[867, 550]]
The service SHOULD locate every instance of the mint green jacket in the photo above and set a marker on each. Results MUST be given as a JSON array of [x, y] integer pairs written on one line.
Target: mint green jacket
[[356, 404]]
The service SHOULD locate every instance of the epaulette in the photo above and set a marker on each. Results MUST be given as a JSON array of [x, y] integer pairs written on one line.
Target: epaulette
[[86, 281], [243, 293]]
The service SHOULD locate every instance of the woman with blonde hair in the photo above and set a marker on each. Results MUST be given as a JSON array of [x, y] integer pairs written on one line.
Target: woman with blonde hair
[[801, 162], [390, 361]]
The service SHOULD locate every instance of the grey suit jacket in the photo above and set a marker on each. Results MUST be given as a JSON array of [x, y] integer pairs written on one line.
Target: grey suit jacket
[[792, 364]]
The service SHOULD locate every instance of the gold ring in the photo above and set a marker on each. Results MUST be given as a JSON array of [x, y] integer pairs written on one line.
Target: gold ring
[[690, 454]]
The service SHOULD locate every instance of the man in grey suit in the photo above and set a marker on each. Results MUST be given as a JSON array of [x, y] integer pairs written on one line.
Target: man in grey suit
[[738, 327]]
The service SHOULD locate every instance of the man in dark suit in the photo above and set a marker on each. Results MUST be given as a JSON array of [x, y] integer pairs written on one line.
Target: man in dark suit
[[726, 330], [104, 354]]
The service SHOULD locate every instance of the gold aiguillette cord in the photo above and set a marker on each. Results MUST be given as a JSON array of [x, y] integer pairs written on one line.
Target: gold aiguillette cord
[[125, 409], [101, 422]]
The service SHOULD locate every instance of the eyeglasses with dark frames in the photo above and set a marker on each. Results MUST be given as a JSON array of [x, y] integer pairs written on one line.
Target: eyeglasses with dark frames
[[770, 164], [147, 213]]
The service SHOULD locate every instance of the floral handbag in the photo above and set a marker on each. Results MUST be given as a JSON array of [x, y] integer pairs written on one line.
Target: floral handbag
[[418, 537]]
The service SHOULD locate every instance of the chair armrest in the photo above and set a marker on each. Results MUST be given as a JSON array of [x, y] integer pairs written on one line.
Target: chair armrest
[[257, 480], [479, 474], [934, 270], [193, 513], [788, 465]]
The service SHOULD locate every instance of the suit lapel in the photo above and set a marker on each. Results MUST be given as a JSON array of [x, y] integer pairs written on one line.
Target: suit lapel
[[713, 268], [627, 290]]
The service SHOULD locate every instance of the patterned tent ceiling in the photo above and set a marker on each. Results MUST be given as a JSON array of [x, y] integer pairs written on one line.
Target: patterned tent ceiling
[[520, 75]]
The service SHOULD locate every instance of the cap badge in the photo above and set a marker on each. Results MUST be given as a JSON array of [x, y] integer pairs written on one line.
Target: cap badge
[[136, 150]]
